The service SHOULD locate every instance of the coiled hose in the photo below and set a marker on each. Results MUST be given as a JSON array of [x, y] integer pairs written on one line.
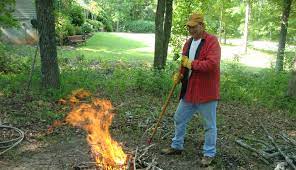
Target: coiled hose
[[9, 144]]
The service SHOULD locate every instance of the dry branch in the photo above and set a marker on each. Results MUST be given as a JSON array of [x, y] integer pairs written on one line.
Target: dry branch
[[154, 167], [257, 140], [248, 147], [287, 139], [146, 150], [289, 161], [135, 158]]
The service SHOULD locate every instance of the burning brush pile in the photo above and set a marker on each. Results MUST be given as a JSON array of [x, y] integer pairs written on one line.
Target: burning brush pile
[[95, 117]]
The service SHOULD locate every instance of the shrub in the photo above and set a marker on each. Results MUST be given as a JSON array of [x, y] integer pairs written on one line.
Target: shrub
[[76, 15], [78, 30], [63, 26], [6, 18], [289, 60], [96, 25], [103, 18], [10, 63], [108, 27], [86, 28], [140, 26], [265, 87]]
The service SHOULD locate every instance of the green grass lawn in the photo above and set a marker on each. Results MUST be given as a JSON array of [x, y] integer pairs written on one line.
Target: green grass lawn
[[112, 47]]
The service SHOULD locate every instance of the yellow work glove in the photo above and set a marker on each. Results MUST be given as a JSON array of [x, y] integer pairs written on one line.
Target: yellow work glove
[[177, 78], [186, 62]]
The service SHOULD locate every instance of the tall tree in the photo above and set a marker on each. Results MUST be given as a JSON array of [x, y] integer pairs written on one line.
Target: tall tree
[[246, 28], [163, 24], [283, 35], [50, 75]]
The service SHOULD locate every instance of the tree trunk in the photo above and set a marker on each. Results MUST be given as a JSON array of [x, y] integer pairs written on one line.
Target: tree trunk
[[283, 34], [50, 76], [247, 15], [163, 24], [159, 34], [167, 29], [292, 83], [225, 34]]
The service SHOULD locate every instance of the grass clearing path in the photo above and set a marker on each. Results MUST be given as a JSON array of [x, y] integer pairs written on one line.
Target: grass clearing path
[[125, 47], [139, 47]]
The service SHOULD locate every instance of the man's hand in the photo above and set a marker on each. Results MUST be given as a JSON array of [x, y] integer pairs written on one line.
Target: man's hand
[[177, 78], [186, 62]]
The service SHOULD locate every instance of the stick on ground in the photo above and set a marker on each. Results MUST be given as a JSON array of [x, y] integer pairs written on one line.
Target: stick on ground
[[260, 153], [289, 161]]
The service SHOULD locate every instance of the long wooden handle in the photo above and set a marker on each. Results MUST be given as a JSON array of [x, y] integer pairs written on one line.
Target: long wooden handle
[[162, 112]]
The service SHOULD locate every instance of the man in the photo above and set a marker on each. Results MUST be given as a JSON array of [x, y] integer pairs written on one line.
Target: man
[[200, 77]]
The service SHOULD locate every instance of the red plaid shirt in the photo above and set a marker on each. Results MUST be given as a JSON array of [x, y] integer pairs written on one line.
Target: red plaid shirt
[[204, 83]]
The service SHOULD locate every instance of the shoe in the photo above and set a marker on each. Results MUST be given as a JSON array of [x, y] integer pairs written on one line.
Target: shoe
[[170, 151], [206, 161]]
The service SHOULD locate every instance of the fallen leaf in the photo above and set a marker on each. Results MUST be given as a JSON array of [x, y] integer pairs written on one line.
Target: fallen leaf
[[62, 102]]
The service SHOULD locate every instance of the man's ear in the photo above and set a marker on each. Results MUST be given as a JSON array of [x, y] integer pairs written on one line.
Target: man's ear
[[203, 25]]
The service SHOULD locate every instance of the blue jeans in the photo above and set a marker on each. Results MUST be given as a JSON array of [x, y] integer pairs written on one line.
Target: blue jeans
[[184, 114]]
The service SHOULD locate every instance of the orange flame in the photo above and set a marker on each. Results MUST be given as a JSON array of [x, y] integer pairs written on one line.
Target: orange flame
[[96, 118]]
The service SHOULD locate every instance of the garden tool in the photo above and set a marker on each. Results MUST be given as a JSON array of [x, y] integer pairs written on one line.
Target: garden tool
[[163, 108]]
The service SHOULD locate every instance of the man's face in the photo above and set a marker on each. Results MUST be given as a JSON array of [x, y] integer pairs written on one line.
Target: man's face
[[195, 31]]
